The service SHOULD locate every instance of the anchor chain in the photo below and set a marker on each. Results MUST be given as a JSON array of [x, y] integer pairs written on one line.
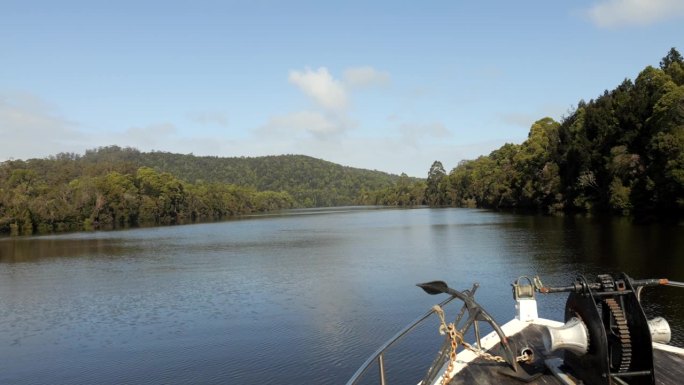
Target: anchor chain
[[456, 338]]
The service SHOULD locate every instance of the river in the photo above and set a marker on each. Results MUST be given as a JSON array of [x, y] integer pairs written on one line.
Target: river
[[301, 297]]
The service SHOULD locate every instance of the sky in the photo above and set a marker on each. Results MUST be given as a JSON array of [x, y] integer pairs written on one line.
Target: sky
[[384, 85]]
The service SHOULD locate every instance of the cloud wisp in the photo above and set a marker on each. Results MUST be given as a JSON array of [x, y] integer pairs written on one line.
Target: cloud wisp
[[30, 127], [297, 124], [209, 118], [412, 133], [621, 13], [366, 76]]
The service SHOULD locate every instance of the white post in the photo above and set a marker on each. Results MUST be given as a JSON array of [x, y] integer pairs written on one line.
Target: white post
[[526, 309]]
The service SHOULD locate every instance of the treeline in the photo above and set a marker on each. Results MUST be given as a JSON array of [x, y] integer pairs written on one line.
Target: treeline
[[406, 192], [113, 187], [622, 152], [31, 203]]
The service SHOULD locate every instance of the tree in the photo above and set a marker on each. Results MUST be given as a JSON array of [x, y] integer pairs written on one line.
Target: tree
[[536, 176], [119, 198], [672, 57], [666, 150], [673, 65], [104, 190], [435, 192]]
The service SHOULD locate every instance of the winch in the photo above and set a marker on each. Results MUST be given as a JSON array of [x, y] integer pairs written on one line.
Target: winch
[[606, 338]]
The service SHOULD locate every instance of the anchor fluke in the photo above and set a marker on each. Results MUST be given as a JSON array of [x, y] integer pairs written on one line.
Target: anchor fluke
[[434, 287]]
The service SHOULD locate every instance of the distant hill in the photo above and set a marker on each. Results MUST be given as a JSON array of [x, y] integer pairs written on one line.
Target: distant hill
[[117, 187], [311, 182]]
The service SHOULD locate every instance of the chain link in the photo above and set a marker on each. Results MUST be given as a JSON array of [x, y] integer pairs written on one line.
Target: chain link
[[523, 357], [453, 336], [483, 354], [456, 338]]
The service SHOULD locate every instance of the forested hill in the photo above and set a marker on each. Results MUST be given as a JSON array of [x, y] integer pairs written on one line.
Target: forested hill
[[311, 182], [621, 152], [117, 187]]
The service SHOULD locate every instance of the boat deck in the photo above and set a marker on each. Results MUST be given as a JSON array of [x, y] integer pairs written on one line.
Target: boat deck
[[669, 366]]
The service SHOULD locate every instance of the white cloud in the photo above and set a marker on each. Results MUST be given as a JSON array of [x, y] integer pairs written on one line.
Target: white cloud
[[311, 122], [30, 127], [149, 136], [367, 76], [617, 13], [168, 137], [525, 119], [330, 116], [321, 87], [518, 119], [209, 118], [414, 132]]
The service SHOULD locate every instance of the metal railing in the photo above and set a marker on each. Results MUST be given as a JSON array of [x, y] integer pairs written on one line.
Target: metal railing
[[380, 353]]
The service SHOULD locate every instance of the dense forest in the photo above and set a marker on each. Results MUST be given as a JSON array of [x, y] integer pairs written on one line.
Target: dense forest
[[311, 182], [113, 187], [622, 152]]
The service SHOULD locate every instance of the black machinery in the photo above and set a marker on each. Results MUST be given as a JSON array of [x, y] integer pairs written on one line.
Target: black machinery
[[607, 338]]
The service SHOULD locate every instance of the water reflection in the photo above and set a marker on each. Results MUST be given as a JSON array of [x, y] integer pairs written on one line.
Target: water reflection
[[603, 244], [300, 298], [36, 248]]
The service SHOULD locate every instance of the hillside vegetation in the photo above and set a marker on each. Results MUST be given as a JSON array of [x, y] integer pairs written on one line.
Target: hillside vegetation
[[622, 152], [118, 187], [311, 182]]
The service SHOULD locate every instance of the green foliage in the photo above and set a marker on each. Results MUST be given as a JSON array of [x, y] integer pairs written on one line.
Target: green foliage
[[619, 196], [435, 192], [310, 182], [673, 57], [407, 192], [623, 152], [28, 204], [113, 187]]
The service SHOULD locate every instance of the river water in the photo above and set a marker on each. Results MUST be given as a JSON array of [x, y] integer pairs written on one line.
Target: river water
[[301, 297]]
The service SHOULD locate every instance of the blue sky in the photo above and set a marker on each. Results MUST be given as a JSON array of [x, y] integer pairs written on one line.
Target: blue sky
[[386, 85]]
